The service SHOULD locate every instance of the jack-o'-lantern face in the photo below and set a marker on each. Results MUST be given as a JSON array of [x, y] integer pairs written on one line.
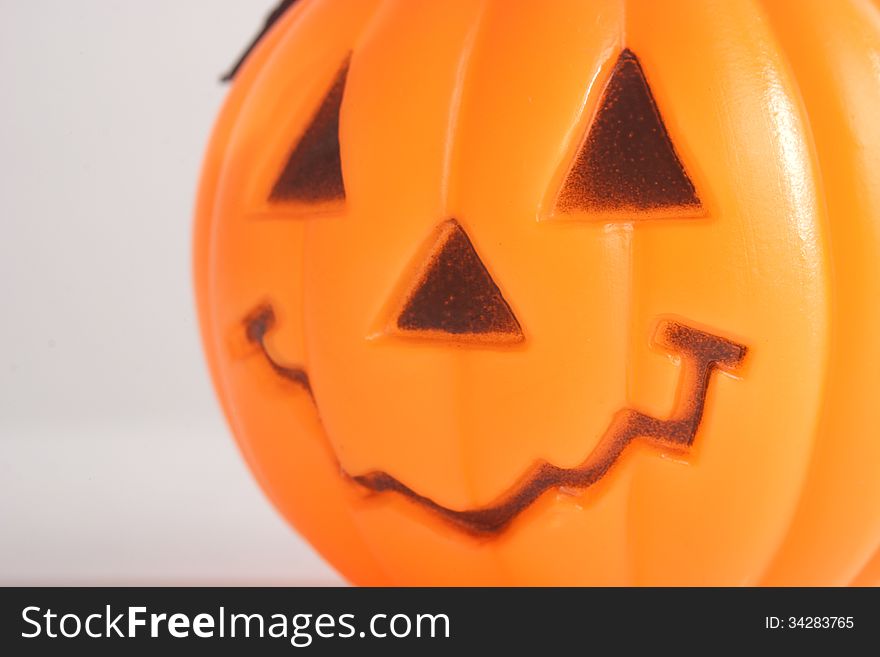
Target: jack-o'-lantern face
[[481, 280], [432, 367]]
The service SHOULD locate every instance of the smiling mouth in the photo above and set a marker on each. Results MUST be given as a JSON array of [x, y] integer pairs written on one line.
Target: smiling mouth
[[701, 353]]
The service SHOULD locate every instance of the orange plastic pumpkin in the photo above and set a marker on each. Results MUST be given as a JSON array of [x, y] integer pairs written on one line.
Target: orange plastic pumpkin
[[556, 293]]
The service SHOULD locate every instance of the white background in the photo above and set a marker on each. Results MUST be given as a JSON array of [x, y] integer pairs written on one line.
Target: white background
[[116, 466]]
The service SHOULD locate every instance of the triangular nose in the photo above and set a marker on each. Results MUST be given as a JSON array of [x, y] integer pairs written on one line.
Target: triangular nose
[[627, 162], [454, 298]]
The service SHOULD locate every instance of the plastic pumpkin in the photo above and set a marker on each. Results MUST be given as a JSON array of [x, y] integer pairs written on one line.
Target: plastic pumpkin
[[555, 293]]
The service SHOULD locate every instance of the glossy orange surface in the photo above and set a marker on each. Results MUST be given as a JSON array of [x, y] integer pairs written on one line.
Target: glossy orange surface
[[761, 241]]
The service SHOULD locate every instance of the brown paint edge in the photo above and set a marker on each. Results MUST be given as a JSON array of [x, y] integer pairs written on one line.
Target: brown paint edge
[[257, 324]]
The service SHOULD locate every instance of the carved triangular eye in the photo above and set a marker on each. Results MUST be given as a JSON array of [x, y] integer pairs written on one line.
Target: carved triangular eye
[[627, 163], [313, 172], [454, 297]]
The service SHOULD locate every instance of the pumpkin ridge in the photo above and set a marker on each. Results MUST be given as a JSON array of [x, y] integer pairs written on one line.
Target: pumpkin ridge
[[844, 186]]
